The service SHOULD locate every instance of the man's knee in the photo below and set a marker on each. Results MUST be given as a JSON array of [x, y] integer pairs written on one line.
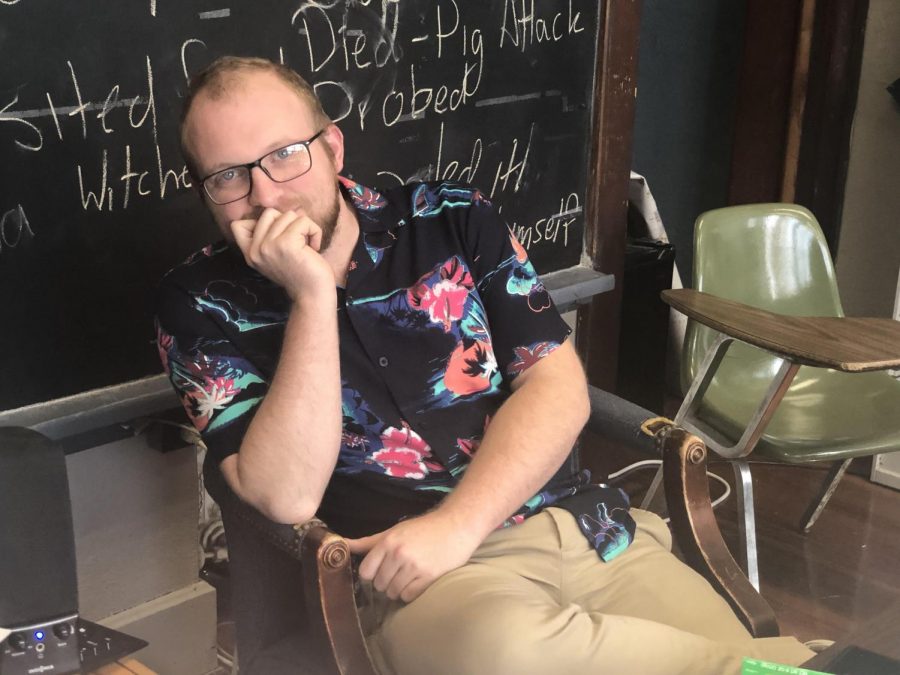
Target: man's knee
[[466, 640]]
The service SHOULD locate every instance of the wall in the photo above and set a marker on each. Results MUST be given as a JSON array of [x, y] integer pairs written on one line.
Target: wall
[[134, 512], [868, 256], [684, 121]]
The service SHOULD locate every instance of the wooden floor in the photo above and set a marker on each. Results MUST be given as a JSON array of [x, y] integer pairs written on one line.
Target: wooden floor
[[820, 585]]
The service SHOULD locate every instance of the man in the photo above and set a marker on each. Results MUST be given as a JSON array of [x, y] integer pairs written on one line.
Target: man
[[391, 363]]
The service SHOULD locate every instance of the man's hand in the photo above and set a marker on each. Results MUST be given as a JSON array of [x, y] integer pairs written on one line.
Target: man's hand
[[406, 559], [285, 248]]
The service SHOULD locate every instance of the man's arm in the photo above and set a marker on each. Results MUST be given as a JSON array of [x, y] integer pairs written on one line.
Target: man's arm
[[289, 451], [526, 442]]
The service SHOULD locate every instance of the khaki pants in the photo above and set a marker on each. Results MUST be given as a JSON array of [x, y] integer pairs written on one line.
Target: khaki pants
[[536, 598]]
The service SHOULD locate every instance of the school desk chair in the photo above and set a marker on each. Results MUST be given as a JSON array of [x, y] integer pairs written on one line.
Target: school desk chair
[[770, 364], [295, 611]]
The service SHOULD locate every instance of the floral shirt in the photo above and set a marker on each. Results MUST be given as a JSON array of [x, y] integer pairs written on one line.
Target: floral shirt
[[442, 310]]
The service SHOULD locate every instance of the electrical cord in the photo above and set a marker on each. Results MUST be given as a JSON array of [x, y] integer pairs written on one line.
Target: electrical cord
[[648, 463]]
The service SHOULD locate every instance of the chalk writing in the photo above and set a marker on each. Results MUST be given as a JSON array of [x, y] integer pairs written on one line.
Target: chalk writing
[[523, 29], [5, 116], [184, 46], [515, 166], [13, 225], [101, 196], [552, 229], [80, 109]]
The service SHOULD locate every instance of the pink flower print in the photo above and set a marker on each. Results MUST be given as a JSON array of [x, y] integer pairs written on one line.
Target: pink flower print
[[404, 453], [528, 356], [468, 446], [444, 297], [215, 395], [164, 343], [446, 303], [521, 253]]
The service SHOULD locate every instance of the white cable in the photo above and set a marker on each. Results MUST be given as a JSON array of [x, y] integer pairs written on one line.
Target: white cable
[[632, 467], [645, 463]]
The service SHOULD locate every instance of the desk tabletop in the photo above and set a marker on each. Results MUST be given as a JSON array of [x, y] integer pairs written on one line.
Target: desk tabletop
[[849, 344]]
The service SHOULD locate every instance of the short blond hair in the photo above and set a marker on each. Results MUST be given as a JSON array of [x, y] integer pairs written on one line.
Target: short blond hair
[[217, 81]]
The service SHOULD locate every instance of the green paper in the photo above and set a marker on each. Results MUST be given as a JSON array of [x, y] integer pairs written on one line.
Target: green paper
[[756, 667]]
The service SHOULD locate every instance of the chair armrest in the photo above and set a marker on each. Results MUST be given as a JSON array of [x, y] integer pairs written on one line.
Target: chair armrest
[[613, 419], [334, 618], [849, 344], [328, 585], [327, 578], [287, 538], [697, 532]]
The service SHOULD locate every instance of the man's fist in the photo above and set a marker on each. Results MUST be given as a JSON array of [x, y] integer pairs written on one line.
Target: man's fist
[[285, 248]]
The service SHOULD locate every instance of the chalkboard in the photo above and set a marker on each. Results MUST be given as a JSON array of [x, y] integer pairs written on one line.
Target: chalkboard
[[96, 203]]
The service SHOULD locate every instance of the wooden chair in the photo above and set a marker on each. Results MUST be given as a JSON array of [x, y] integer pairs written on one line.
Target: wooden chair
[[310, 622]]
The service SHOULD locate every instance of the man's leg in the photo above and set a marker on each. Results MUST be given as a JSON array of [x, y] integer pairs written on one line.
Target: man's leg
[[647, 582], [506, 612]]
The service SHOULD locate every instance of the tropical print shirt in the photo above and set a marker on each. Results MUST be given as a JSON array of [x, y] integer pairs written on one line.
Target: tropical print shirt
[[442, 310]]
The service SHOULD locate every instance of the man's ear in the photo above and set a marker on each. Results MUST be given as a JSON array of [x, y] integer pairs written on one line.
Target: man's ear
[[333, 137]]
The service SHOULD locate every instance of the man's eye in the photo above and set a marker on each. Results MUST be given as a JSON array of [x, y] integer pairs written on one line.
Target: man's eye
[[226, 176], [286, 153]]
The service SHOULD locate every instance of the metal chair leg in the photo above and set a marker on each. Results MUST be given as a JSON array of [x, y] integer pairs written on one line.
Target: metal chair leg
[[651, 491], [829, 485], [746, 520]]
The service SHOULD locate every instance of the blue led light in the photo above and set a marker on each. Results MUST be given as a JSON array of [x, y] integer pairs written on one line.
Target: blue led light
[[38, 635]]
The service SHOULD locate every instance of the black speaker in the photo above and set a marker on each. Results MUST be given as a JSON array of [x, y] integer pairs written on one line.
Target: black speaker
[[38, 587]]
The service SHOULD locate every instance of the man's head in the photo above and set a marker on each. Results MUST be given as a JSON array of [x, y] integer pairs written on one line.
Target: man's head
[[239, 110]]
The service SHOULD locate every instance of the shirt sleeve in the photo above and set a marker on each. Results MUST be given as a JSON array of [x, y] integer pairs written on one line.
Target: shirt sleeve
[[219, 388], [524, 323]]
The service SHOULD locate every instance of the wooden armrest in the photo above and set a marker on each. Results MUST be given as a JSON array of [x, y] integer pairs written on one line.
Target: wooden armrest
[[844, 343], [331, 603], [328, 583], [697, 533]]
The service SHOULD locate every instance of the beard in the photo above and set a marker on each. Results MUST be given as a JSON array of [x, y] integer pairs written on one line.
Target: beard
[[329, 221]]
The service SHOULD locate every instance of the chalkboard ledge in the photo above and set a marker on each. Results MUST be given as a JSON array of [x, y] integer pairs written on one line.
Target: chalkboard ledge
[[576, 285], [75, 420]]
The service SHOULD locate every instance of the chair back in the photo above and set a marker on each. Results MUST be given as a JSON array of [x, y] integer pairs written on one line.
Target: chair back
[[771, 256]]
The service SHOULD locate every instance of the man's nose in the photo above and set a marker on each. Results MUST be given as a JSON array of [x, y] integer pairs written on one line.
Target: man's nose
[[264, 191]]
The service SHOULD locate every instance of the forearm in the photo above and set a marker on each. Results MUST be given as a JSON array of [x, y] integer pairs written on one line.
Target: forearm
[[290, 449], [527, 441]]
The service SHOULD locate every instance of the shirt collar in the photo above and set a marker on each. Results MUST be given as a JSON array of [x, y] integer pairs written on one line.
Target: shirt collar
[[374, 212]]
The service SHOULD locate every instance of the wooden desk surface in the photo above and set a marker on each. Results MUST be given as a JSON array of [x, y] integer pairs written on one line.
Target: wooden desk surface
[[850, 344]]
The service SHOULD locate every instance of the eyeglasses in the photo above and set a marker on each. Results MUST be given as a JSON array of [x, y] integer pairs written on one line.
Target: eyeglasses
[[281, 165]]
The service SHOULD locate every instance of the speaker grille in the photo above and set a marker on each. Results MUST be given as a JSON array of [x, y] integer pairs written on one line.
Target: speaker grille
[[37, 548]]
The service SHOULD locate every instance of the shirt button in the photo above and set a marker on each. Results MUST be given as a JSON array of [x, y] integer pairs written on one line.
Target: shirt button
[[383, 362]]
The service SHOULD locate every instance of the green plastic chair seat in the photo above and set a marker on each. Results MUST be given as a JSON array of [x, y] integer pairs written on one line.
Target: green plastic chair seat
[[774, 256], [811, 423]]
